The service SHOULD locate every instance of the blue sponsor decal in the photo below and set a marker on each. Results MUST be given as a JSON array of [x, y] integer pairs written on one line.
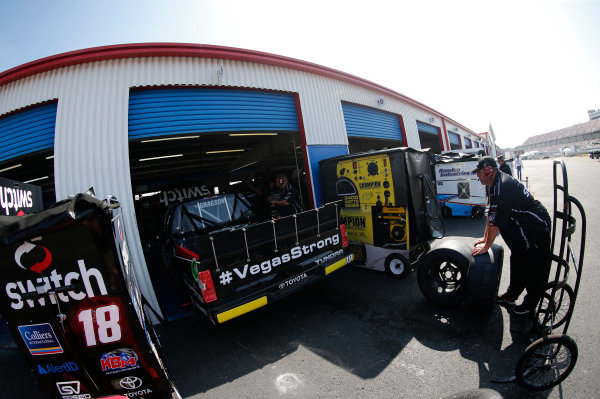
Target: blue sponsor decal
[[40, 339], [50, 368]]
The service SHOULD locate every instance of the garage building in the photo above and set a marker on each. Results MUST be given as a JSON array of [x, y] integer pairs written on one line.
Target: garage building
[[156, 123]]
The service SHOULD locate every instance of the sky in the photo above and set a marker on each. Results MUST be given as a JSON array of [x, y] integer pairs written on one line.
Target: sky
[[524, 67]]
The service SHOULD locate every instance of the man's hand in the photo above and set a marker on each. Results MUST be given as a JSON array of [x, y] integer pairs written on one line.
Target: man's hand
[[479, 249], [480, 241]]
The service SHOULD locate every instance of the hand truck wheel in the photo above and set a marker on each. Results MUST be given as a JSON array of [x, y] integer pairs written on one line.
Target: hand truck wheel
[[546, 362], [553, 312]]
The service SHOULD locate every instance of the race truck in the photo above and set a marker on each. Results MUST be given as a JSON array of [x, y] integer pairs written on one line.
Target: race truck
[[230, 263], [389, 205]]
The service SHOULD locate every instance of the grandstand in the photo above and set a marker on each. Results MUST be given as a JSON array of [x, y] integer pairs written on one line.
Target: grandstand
[[581, 138]]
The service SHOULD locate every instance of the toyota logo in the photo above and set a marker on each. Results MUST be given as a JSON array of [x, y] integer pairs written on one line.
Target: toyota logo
[[130, 382]]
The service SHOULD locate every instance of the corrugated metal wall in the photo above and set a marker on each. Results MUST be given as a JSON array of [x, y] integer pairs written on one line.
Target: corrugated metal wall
[[91, 139]]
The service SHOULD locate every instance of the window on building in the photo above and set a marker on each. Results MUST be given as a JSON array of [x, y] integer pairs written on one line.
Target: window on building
[[468, 143], [476, 144]]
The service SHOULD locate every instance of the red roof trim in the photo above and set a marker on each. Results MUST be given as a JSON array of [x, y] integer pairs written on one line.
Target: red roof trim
[[121, 51]]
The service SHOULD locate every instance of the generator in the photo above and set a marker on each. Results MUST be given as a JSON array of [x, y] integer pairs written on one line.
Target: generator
[[389, 205]]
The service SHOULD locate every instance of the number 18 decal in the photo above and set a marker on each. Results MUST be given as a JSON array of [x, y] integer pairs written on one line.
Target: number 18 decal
[[101, 324]]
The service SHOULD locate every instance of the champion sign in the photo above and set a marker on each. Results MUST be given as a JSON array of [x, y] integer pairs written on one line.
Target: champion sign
[[267, 266]]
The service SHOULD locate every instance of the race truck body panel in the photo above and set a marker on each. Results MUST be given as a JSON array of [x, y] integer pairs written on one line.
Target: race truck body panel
[[229, 265]]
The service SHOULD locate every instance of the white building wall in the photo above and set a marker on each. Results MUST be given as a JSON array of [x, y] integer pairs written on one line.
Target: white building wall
[[91, 140]]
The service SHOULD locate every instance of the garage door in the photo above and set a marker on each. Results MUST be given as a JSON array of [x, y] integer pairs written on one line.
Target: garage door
[[28, 131], [367, 122], [430, 137], [158, 112]]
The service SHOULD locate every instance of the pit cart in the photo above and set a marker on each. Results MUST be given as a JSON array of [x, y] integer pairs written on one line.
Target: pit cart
[[389, 205], [228, 263], [459, 191], [72, 303], [552, 355]]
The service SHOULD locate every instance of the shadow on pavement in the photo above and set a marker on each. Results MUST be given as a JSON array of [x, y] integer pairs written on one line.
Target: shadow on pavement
[[358, 320]]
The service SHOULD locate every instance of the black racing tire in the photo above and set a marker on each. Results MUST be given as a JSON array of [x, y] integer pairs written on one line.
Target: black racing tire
[[546, 362], [443, 271], [483, 280], [446, 211], [561, 307], [396, 265], [477, 212]]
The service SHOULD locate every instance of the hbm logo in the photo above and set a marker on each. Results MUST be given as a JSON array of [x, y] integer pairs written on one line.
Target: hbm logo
[[119, 360]]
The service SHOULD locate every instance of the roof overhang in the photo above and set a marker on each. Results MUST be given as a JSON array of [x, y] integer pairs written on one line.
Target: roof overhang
[[139, 50]]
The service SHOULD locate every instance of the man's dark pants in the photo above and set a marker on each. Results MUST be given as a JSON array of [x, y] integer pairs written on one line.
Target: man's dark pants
[[530, 270]]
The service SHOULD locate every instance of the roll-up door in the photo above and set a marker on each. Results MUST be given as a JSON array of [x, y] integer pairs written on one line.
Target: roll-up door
[[28, 131], [427, 128], [430, 137], [367, 122], [159, 112]]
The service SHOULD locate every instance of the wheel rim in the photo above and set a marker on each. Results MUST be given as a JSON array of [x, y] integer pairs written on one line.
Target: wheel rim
[[396, 267], [447, 278]]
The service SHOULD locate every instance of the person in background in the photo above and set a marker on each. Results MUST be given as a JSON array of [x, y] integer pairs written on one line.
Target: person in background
[[525, 227], [504, 166], [519, 166], [288, 200]]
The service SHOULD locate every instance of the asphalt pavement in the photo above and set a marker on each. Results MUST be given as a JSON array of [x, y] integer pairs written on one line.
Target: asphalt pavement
[[362, 334]]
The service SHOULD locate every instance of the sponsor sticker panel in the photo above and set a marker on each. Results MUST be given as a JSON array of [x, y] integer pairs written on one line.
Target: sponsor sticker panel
[[67, 304]]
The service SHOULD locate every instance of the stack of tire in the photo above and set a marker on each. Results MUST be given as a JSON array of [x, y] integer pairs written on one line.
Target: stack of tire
[[450, 275]]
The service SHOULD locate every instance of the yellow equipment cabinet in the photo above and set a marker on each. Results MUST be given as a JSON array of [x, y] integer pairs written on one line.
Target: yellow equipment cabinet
[[390, 207]]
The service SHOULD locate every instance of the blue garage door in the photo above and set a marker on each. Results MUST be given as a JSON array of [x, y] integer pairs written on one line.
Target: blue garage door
[[160, 112], [28, 131], [367, 122], [427, 128]]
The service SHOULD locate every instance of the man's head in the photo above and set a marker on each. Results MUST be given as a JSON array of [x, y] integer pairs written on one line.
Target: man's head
[[501, 159], [486, 170], [281, 180]]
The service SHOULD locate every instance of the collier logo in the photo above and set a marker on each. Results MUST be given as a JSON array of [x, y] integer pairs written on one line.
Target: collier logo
[[56, 280], [33, 257], [119, 360], [40, 339], [70, 390], [369, 185], [267, 266]]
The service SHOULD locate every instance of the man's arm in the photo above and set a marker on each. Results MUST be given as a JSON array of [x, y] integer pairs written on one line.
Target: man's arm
[[490, 235]]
